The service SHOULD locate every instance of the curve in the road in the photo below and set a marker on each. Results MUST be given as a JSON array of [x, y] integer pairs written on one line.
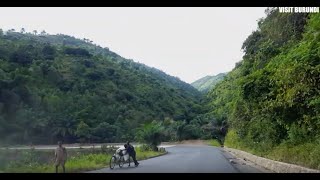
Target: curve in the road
[[182, 159]]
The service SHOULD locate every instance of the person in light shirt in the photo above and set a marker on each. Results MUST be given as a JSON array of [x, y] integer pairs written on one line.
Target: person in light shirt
[[60, 157]]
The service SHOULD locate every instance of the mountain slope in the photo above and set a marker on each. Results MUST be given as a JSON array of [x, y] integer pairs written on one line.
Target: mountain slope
[[206, 83], [271, 99], [59, 87]]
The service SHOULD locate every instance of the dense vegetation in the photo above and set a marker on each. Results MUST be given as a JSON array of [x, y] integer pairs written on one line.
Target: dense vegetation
[[207, 83], [271, 99], [57, 87]]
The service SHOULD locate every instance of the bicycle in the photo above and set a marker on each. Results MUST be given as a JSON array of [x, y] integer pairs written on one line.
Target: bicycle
[[119, 158]]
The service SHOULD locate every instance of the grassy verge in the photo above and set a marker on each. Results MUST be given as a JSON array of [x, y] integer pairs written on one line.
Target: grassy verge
[[307, 154], [213, 142], [141, 155], [77, 162]]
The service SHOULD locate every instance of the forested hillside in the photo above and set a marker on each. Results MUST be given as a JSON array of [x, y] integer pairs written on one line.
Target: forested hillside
[[205, 84], [58, 87], [271, 99]]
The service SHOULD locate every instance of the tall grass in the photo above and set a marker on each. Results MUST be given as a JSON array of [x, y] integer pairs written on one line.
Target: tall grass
[[213, 142], [146, 154], [74, 164], [307, 154], [77, 162]]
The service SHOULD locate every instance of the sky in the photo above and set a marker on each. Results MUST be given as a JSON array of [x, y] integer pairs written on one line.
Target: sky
[[188, 43]]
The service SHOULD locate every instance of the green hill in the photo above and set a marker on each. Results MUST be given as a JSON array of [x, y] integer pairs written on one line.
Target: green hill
[[60, 87], [271, 99], [207, 83]]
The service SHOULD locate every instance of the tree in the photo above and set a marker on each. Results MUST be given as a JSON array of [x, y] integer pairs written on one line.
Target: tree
[[43, 33], [22, 30], [151, 134], [104, 132], [35, 32], [22, 56], [83, 131], [49, 52], [77, 52], [179, 126]]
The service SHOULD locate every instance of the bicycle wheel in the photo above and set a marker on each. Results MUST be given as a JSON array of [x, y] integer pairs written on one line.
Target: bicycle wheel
[[121, 162], [113, 162]]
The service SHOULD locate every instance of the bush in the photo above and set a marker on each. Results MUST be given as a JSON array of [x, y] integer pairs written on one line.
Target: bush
[[162, 150], [95, 75], [306, 154], [145, 147], [151, 134], [22, 57], [298, 134], [77, 52], [191, 131], [232, 140], [262, 134], [49, 52], [206, 136], [214, 142]]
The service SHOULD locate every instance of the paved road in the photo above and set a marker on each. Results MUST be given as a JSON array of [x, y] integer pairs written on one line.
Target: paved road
[[190, 159]]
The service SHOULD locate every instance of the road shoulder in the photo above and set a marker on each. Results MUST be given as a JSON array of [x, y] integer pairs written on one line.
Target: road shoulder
[[243, 165], [272, 165]]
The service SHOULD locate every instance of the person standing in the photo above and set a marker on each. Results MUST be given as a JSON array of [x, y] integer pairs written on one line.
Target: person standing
[[132, 153], [60, 157]]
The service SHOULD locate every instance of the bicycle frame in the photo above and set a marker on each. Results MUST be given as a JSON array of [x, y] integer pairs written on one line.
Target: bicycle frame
[[120, 158]]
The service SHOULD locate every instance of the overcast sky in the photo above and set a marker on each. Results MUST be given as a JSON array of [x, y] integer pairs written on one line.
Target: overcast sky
[[189, 43]]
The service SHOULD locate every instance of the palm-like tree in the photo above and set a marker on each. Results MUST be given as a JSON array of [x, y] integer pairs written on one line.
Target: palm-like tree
[[151, 134], [43, 33], [179, 127]]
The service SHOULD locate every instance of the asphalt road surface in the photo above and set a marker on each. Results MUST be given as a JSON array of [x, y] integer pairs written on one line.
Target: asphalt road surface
[[190, 159]]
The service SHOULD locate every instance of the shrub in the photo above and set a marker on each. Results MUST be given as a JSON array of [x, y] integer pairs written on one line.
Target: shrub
[[298, 134], [214, 142], [22, 56], [151, 134], [77, 52], [49, 52], [145, 147]]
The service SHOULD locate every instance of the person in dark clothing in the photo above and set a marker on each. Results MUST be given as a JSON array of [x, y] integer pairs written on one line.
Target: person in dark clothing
[[132, 152]]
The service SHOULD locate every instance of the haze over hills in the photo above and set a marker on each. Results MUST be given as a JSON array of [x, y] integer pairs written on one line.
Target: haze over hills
[[206, 83], [59, 87]]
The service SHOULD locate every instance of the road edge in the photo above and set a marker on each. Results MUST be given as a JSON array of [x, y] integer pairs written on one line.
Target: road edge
[[156, 156], [139, 160], [275, 166]]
